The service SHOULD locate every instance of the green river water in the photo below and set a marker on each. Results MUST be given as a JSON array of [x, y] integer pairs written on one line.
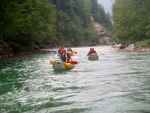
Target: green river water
[[119, 82]]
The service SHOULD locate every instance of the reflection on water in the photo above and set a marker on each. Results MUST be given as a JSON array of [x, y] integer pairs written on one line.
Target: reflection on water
[[119, 82]]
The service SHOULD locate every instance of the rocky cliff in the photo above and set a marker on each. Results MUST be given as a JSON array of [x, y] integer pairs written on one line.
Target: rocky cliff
[[103, 33]]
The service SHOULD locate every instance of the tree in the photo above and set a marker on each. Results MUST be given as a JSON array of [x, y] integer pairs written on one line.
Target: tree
[[131, 20], [12, 19]]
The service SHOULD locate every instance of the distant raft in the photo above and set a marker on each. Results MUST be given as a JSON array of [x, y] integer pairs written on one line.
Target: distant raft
[[93, 56], [58, 64]]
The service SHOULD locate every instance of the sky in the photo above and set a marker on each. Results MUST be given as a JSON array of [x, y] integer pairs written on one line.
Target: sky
[[107, 4]]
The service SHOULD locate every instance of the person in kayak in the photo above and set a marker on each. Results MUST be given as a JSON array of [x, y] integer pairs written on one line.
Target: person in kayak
[[70, 51], [60, 50], [65, 56], [91, 52], [69, 55]]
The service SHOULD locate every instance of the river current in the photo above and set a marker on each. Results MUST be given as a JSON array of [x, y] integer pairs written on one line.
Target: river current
[[118, 82]]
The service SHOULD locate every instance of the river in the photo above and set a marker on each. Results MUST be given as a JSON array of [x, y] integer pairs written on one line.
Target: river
[[119, 82]]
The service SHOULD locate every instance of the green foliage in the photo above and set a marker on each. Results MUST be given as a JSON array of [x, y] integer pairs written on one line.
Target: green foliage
[[33, 24], [148, 27], [145, 43], [131, 20], [71, 24], [28, 22], [99, 15], [12, 20], [43, 19], [82, 9]]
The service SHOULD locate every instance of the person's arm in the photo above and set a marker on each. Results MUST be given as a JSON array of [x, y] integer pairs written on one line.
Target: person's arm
[[66, 57], [70, 59]]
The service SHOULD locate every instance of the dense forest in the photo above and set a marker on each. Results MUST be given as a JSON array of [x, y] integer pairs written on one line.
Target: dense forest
[[131, 22], [29, 25]]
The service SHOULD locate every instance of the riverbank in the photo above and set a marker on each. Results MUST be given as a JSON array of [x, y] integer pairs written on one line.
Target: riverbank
[[117, 47], [130, 48], [11, 55], [40, 51]]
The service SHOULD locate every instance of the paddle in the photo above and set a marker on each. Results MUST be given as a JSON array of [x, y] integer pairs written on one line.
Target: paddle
[[73, 62], [75, 52], [86, 56]]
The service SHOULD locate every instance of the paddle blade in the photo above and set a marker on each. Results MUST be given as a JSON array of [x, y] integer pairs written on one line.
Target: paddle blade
[[73, 62], [52, 62], [75, 52]]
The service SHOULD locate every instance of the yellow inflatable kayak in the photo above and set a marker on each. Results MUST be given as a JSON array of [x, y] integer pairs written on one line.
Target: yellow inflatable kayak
[[58, 64], [93, 57]]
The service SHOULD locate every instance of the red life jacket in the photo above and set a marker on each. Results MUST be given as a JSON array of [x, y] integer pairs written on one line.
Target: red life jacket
[[92, 51]]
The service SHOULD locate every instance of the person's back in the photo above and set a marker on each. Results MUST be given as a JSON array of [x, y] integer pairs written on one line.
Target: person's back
[[63, 55], [92, 51], [63, 58]]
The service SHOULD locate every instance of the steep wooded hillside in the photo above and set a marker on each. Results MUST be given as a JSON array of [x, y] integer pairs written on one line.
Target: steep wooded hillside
[[29, 25]]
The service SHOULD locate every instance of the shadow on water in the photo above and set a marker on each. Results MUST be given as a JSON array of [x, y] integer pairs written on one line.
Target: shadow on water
[[61, 71]]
